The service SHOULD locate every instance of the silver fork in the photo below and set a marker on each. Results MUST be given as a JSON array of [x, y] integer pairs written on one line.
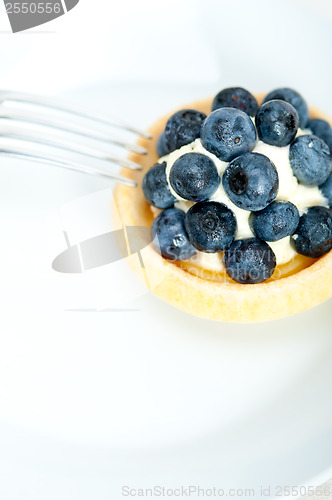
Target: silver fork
[[31, 123]]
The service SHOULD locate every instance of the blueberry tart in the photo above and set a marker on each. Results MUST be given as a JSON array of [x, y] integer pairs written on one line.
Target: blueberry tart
[[236, 192]]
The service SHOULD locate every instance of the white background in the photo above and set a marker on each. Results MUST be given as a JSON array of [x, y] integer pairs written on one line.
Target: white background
[[258, 43], [91, 401]]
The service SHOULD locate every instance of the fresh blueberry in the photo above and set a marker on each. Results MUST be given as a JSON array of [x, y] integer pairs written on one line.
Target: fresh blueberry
[[326, 189], [170, 237], [183, 128], [249, 261], [277, 123], [155, 187], [236, 97], [313, 236], [323, 130], [161, 146], [309, 158], [210, 226], [278, 220], [228, 132], [251, 181], [293, 98], [194, 177]]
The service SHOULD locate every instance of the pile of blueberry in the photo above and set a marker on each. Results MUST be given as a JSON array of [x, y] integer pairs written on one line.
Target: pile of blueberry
[[250, 180]]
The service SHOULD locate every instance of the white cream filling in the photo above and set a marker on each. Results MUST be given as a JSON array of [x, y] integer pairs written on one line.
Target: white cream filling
[[302, 196]]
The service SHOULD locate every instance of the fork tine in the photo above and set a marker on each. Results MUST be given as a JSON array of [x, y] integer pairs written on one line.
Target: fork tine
[[31, 136], [19, 124], [22, 153], [45, 102], [71, 128]]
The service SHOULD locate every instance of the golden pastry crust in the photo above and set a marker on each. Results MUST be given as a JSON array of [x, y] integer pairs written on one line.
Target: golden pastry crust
[[294, 287]]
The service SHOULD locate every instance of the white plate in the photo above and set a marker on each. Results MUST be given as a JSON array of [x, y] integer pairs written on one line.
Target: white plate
[[142, 394]]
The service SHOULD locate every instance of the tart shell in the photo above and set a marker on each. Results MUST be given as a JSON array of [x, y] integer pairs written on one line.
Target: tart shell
[[294, 288]]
